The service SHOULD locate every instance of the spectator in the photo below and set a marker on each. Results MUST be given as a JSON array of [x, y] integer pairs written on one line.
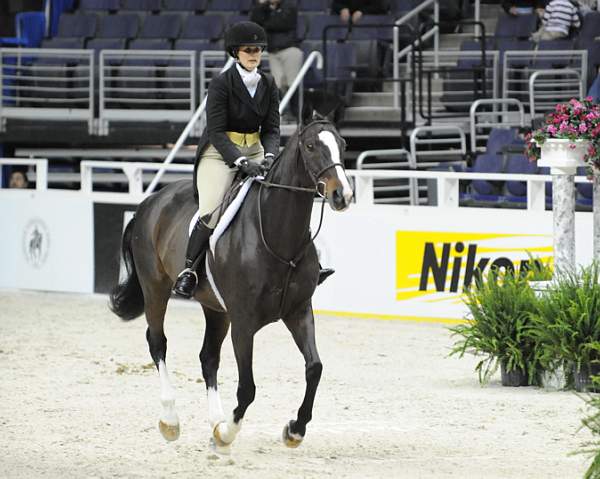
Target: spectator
[[18, 179], [523, 7], [586, 6], [560, 16], [353, 10], [279, 19]]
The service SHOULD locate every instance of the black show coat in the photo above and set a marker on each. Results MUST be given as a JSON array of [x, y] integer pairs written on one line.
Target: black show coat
[[231, 108]]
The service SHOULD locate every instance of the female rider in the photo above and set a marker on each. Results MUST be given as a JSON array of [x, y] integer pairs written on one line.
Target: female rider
[[242, 134]]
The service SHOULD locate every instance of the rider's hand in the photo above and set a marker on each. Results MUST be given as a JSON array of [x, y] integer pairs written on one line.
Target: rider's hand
[[250, 169], [267, 163]]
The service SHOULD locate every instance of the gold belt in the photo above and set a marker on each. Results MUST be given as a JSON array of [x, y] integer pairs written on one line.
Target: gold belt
[[243, 139]]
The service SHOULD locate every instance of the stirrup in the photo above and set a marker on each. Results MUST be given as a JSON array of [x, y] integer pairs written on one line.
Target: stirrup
[[186, 283]]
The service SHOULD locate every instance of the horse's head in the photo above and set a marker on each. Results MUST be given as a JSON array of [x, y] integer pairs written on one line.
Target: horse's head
[[321, 148]]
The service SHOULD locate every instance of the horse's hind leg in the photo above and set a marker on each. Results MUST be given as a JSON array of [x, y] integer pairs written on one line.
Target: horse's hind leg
[[302, 326], [155, 308], [217, 326], [242, 337]]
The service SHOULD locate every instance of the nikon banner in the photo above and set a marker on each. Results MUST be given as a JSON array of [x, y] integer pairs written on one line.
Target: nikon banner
[[395, 262]]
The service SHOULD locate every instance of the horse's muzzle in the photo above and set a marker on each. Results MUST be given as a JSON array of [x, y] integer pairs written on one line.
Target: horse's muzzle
[[340, 200]]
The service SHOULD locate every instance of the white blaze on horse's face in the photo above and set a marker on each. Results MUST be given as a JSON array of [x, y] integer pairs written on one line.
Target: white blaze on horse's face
[[339, 192]]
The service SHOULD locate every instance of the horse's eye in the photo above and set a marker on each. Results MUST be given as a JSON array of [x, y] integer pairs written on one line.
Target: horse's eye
[[309, 146]]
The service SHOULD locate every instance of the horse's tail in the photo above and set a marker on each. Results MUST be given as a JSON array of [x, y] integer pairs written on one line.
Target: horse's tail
[[127, 298]]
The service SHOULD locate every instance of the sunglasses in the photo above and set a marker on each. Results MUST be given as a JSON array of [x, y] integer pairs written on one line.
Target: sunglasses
[[251, 50]]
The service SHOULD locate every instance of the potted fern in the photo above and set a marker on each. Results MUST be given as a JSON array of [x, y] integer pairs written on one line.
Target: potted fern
[[499, 311], [566, 326], [592, 422]]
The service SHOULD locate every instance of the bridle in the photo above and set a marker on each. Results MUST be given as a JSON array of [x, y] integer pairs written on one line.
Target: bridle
[[264, 183]]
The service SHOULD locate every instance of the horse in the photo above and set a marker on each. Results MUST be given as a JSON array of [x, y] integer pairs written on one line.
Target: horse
[[264, 268]]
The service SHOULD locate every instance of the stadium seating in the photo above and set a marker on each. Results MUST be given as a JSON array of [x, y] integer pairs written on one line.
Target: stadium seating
[[195, 6], [515, 26], [102, 6]]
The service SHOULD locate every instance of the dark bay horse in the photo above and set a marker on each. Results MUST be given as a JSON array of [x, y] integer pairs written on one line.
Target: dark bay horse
[[265, 266]]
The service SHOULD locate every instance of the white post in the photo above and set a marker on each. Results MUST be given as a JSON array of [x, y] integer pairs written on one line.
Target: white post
[[563, 213], [596, 214]]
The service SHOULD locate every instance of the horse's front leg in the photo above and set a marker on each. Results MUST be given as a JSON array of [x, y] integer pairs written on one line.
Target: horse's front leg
[[217, 326], [242, 337], [302, 326]]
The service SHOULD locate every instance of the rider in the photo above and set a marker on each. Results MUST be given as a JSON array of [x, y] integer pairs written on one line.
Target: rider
[[242, 134]]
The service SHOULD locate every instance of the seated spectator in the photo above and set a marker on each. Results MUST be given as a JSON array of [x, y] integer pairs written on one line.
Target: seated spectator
[[523, 7], [18, 179], [560, 16], [353, 10], [279, 19]]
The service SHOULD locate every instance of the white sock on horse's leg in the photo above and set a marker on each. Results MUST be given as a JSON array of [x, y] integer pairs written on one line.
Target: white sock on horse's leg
[[215, 408], [169, 421], [226, 431]]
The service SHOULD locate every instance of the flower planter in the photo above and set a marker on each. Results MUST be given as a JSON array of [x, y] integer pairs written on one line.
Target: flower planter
[[563, 155], [583, 378], [516, 377], [555, 380]]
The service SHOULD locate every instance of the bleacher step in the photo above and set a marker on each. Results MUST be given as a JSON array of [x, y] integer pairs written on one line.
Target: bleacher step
[[371, 114]]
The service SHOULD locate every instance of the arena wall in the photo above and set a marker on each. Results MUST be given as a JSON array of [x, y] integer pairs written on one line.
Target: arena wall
[[392, 262]]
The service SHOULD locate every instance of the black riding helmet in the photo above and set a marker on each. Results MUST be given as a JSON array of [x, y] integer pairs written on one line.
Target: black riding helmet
[[244, 33]]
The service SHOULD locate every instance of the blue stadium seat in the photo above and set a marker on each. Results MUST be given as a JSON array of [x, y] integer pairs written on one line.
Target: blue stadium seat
[[590, 28], [202, 28], [141, 5], [515, 26], [487, 163], [549, 63], [103, 6], [229, 6], [319, 23], [185, 5], [585, 190], [59, 42], [314, 6], [77, 25], [519, 164], [166, 26], [31, 26], [98, 44], [360, 32], [124, 26], [398, 6]]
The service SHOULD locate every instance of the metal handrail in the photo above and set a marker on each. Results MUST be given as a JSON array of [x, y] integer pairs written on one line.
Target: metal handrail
[[396, 41], [314, 56], [566, 72], [184, 134], [488, 101]]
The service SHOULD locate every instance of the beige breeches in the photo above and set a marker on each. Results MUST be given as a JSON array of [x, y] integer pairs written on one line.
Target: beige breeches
[[214, 177], [285, 66]]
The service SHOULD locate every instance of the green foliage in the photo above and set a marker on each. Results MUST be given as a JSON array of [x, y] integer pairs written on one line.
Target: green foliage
[[592, 422], [499, 308], [538, 270], [566, 324]]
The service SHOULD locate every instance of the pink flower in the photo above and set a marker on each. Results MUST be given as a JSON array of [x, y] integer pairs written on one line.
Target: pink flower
[[551, 129], [583, 128]]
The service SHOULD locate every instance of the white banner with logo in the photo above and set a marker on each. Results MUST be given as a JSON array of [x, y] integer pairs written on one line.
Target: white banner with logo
[[397, 262], [47, 241]]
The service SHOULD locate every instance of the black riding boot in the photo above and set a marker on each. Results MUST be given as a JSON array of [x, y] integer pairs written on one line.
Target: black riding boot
[[324, 273], [186, 282]]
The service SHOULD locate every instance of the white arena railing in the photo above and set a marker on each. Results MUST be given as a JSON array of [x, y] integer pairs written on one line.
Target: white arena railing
[[447, 183]]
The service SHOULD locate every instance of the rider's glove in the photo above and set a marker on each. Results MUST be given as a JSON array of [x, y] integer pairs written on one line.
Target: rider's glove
[[267, 163], [249, 168]]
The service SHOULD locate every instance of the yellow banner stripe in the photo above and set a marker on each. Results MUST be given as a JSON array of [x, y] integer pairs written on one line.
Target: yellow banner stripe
[[388, 317]]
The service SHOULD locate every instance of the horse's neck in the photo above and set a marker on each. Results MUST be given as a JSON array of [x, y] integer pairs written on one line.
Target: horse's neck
[[286, 213]]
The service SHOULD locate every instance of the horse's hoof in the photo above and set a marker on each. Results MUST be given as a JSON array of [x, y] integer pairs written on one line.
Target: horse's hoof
[[219, 442], [291, 439], [169, 431], [219, 450]]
